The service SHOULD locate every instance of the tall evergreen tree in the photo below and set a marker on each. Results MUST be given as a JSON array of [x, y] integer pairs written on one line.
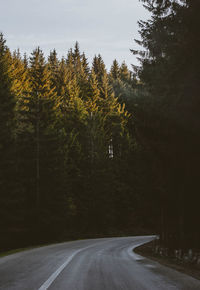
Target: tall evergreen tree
[[7, 96], [7, 106], [40, 138], [169, 72], [93, 101], [99, 67], [114, 71], [53, 64], [124, 73]]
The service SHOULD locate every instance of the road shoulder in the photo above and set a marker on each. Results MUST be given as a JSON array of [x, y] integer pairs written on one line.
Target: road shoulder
[[146, 251]]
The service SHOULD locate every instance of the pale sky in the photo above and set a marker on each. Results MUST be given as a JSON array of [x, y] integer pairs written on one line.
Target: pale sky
[[107, 27]]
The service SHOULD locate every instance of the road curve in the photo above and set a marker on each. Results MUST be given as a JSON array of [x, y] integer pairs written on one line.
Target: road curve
[[98, 264]]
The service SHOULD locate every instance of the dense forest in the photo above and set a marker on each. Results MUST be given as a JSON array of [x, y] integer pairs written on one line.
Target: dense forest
[[168, 114], [65, 146], [87, 152]]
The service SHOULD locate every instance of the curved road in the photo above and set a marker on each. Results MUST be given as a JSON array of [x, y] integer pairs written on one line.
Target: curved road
[[98, 264]]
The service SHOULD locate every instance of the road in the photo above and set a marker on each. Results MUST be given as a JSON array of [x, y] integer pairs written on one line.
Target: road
[[98, 264]]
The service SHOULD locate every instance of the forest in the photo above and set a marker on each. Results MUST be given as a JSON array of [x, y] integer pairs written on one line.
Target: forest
[[89, 152]]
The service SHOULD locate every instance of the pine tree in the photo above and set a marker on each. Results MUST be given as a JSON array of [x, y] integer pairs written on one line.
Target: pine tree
[[107, 95], [40, 129], [92, 102], [25, 61], [114, 71], [124, 73], [20, 81], [76, 55], [7, 154], [63, 78], [7, 101], [169, 111], [99, 68], [53, 64], [20, 88], [83, 83], [85, 64], [70, 63]]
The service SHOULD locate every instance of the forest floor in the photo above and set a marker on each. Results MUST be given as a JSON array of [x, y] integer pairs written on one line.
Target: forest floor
[[146, 251]]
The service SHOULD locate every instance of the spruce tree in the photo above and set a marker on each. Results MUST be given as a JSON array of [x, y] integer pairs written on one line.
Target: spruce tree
[[92, 103], [7, 106], [20, 78], [53, 64], [7, 101], [99, 68], [124, 73], [85, 64], [41, 132], [63, 77], [107, 95], [76, 58], [114, 71], [168, 113]]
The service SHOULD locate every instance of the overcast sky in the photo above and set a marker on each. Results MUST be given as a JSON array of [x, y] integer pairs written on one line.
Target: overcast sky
[[107, 27]]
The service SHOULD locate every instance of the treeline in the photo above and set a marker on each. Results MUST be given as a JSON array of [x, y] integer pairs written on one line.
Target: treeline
[[86, 152], [64, 148], [167, 114]]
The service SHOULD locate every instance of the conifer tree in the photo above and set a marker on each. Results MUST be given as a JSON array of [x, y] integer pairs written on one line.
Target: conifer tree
[[20, 88], [85, 64], [114, 71], [25, 61], [63, 77], [99, 68], [124, 73], [76, 55], [53, 64], [7, 102], [70, 63], [20, 78], [7, 106], [40, 128], [83, 82], [107, 95], [124, 85], [168, 112], [78, 67], [92, 103]]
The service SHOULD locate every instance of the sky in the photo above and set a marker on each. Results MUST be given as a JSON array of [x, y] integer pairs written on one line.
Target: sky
[[108, 27]]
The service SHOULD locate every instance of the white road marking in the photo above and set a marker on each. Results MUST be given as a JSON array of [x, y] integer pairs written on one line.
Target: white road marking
[[60, 269], [52, 278]]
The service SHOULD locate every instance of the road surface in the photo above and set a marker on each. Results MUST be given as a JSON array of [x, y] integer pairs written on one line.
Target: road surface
[[98, 264]]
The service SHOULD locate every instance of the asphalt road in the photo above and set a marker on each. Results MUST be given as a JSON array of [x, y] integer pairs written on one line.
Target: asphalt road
[[98, 264]]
